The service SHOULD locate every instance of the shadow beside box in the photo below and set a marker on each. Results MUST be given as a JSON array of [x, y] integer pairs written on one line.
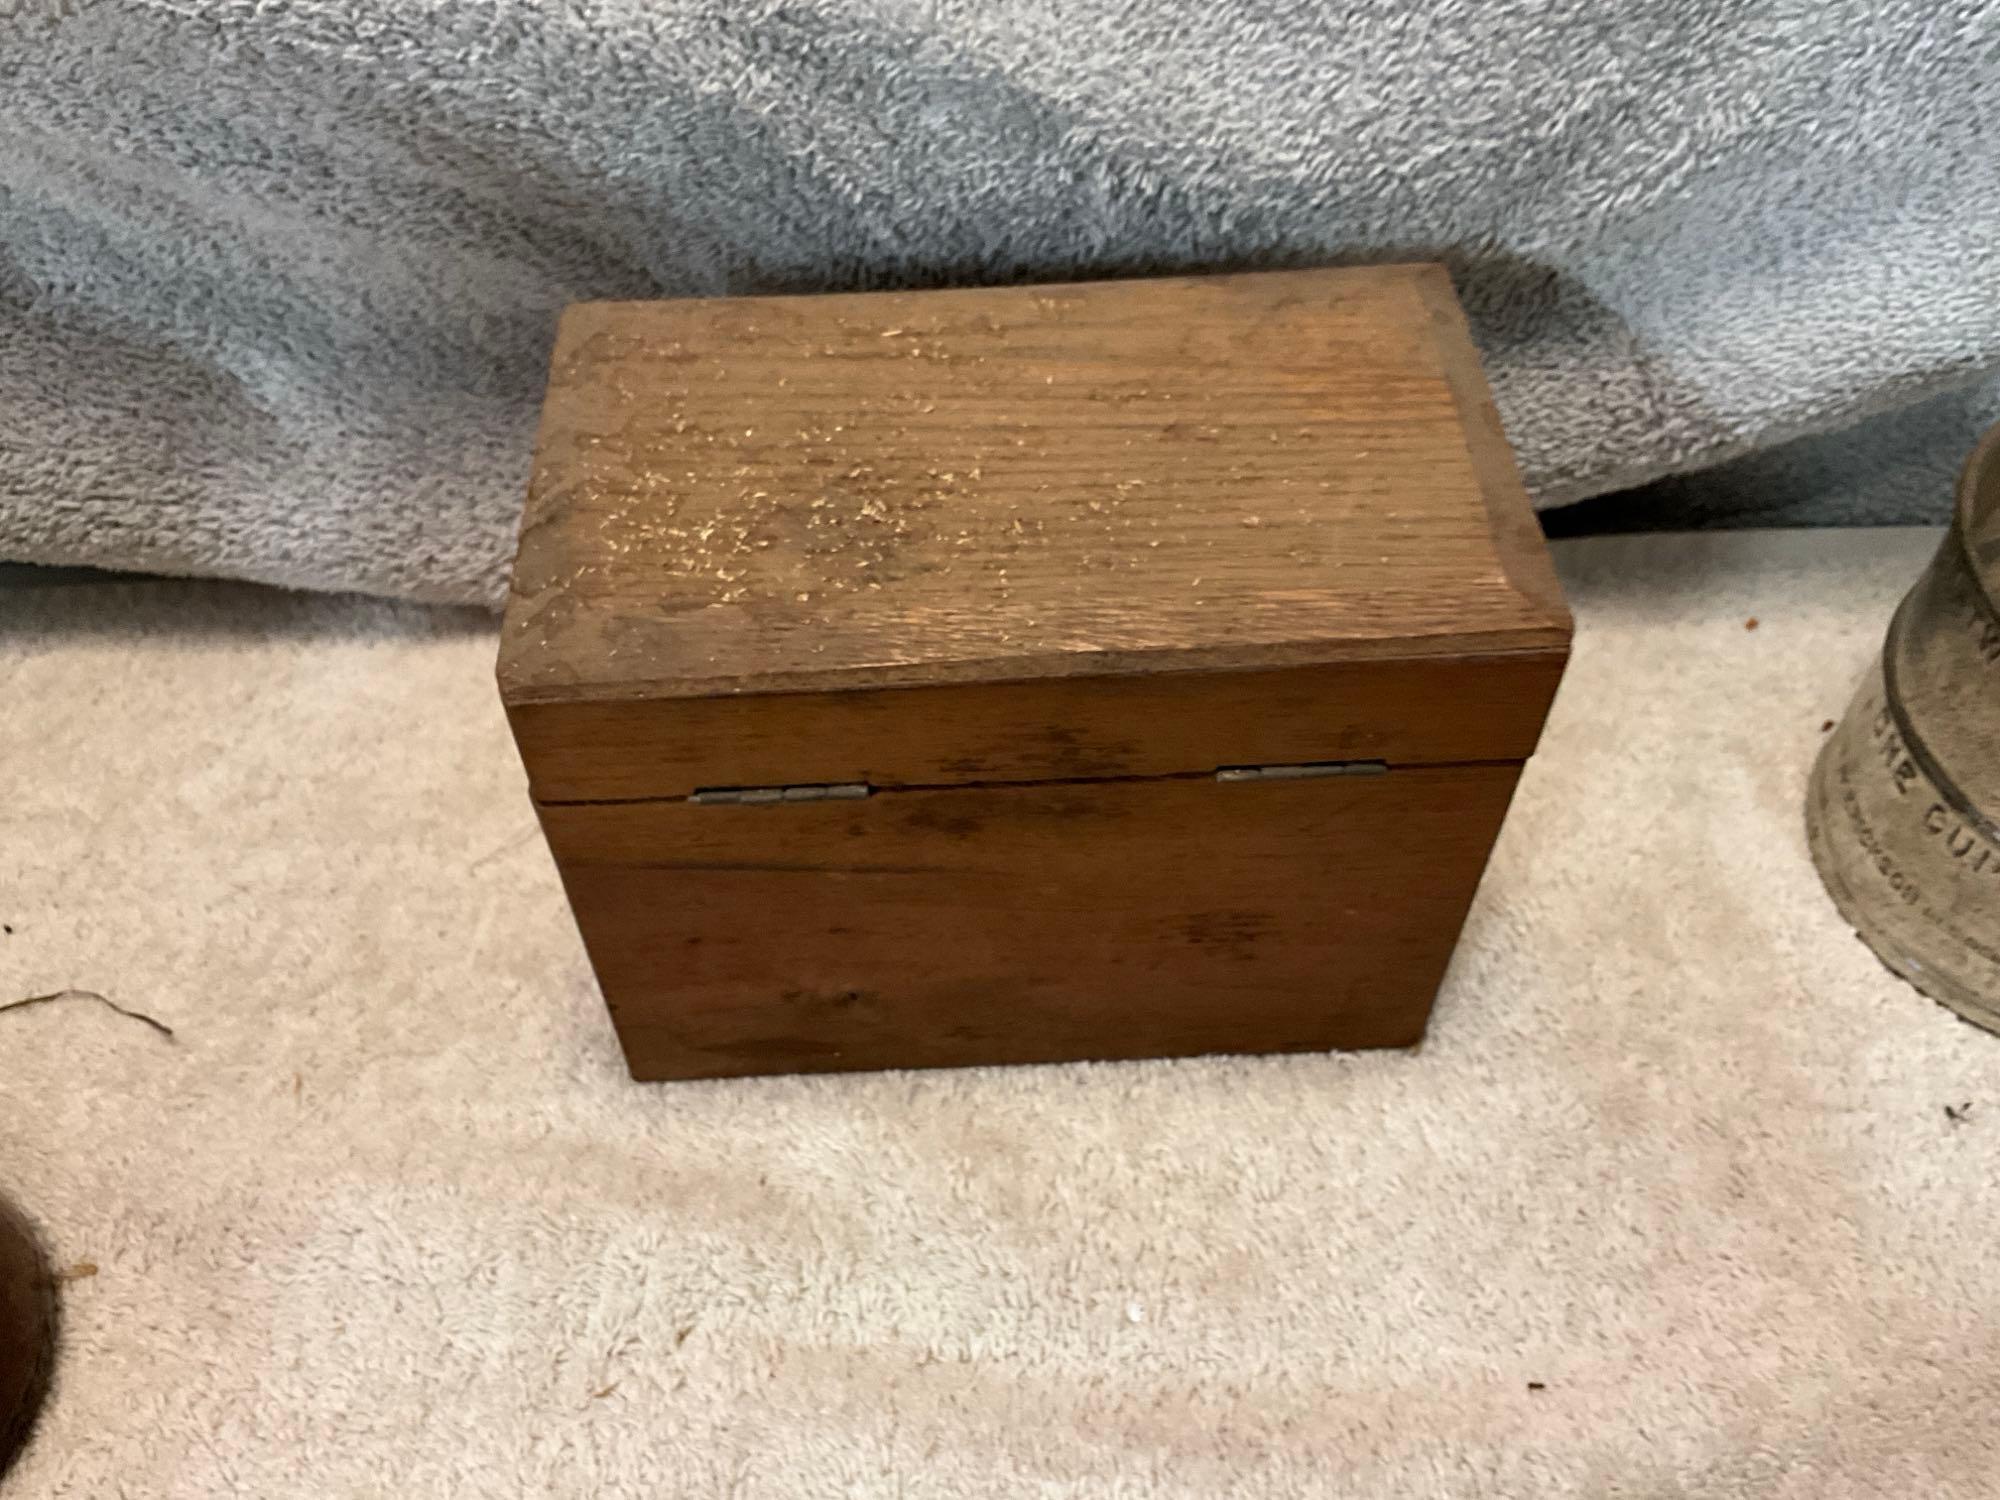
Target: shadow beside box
[[1114, 670]]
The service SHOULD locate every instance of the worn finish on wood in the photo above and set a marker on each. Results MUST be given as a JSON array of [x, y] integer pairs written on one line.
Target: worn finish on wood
[[813, 493], [1032, 564], [1028, 924]]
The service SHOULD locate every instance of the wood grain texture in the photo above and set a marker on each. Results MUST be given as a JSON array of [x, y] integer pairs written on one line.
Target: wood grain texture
[[807, 494], [1423, 710], [1028, 924]]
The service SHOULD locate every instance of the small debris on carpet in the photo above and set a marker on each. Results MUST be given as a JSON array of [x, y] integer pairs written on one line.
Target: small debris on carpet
[[1537, 1385], [55, 995], [601, 1394], [298, 1084], [1751, 623], [1959, 1115], [1827, 727], [83, 1270], [507, 848], [1135, 1312], [7, 927]]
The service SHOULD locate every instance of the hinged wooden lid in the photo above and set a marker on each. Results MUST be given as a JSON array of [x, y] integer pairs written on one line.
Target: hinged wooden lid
[[1124, 528]]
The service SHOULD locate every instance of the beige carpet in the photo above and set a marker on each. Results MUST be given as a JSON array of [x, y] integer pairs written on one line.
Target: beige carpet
[[1668, 1205]]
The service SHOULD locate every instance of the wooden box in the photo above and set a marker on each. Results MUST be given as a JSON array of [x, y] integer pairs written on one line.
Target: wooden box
[[1113, 670]]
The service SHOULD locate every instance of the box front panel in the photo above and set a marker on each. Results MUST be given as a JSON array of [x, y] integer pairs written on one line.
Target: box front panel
[[974, 925]]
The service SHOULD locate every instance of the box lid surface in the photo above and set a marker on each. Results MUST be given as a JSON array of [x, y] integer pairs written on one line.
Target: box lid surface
[[846, 494]]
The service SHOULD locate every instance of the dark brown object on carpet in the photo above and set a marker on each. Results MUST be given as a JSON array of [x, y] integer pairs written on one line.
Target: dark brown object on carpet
[[27, 1331]]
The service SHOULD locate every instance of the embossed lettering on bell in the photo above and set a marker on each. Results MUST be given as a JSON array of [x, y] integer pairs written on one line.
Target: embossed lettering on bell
[[1903, 814]]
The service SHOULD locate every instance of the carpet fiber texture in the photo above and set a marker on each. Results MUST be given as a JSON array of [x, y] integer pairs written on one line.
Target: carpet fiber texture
[[277, 277], [1669, 1204]]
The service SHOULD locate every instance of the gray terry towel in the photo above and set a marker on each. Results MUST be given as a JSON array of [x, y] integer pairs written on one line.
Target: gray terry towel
[[277, 276]]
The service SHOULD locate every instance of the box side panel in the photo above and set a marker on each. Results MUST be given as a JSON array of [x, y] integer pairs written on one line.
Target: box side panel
[[1420, 711], [1518, 542], [1028, 924]]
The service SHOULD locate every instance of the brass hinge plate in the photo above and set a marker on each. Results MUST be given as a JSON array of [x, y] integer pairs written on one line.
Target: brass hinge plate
[[764, 796], [1304, 771]]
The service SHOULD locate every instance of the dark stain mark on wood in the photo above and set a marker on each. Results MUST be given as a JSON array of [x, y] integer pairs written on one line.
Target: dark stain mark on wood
[[834, 1000], [937, 817], [1232, 934]]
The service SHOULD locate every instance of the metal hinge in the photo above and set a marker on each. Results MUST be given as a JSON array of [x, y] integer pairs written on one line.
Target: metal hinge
[[854, 791], [737, 796], [1304, 771]]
